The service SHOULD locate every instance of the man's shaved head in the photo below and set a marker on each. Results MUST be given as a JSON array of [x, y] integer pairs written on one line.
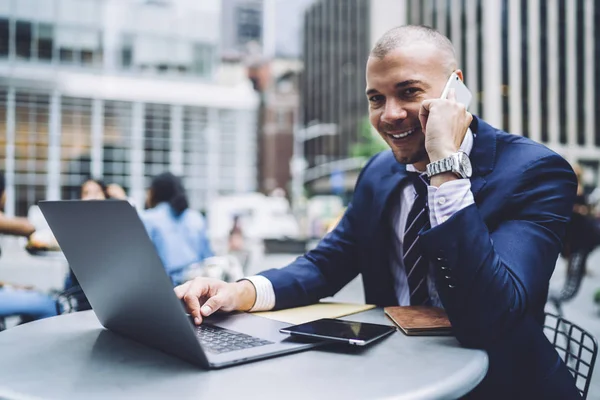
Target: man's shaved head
[[410, 35]]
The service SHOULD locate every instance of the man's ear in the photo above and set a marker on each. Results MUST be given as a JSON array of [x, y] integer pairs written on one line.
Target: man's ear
[[459, 73]]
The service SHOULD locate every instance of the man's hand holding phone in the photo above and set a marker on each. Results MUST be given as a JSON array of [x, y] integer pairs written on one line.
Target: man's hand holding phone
[[445, 122]]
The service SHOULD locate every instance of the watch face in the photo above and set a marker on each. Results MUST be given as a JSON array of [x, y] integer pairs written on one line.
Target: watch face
[[465, 164]]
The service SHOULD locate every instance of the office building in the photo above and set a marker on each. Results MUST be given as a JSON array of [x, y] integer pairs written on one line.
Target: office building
[[124, 90], [242, 26], [278, 84], [336, 46]]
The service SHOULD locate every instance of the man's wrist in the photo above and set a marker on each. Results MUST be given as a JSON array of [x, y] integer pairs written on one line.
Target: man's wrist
[[246, 295], [439, 179], [440, 155]]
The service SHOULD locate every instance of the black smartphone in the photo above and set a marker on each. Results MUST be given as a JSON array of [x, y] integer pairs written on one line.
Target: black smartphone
[[336, 330]]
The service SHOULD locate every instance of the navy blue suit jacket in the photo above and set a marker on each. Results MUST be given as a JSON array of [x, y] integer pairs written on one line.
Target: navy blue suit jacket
[[493, 259]]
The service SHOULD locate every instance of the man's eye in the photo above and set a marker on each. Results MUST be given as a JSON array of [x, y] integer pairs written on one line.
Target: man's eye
[[410, 92], [376, 99]]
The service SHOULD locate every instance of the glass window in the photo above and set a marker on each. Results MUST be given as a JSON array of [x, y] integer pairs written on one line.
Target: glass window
[[117, 141], [203, 59], [127, 51], [249, 24], [562, 70], [76, 144], [580, 68], [45, 41], [79, 45], [23, 37], [4, 37], [505, 67], [195, 156], [32, 115], [543, 65], [479, 56], [524, 68], [157, 133], [67, 56]]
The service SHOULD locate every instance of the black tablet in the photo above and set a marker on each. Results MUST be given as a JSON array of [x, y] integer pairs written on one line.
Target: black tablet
[[356, 333]]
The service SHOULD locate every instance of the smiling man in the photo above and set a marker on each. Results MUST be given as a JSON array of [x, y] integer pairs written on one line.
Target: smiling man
[[458, 214]]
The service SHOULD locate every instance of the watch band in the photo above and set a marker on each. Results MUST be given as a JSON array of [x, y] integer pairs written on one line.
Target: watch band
[[444, 165]]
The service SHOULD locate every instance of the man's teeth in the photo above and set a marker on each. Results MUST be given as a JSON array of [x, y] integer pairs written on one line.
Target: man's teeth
[[404, 134]]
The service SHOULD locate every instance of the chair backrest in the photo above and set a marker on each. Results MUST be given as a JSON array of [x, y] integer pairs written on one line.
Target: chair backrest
[[575, 274], [576, 347]]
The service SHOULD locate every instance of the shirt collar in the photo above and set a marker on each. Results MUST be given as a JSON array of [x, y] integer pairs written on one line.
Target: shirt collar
[[466, 147]]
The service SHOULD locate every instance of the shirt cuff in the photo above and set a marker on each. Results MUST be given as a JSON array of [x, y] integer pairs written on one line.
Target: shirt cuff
[[448, 199], [265, 294]]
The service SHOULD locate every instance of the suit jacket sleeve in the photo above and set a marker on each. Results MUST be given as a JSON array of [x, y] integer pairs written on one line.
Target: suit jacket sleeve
[[491, 281], [321, 272]]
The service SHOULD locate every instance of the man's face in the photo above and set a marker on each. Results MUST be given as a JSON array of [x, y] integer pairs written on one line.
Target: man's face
[[396, 87]]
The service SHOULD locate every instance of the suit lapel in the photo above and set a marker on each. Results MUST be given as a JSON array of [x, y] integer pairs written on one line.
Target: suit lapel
[[483, 154]]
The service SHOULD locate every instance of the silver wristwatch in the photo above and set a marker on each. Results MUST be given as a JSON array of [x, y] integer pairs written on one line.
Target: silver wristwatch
[[458, 163]]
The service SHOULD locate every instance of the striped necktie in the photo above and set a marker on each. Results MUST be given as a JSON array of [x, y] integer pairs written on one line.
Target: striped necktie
[[415, 264]]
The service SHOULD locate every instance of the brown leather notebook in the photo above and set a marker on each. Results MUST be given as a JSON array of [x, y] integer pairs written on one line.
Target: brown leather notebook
[[420, 320]]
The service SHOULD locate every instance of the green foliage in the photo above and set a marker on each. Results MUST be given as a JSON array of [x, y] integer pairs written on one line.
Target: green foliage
[[597, 296], [369, 142]]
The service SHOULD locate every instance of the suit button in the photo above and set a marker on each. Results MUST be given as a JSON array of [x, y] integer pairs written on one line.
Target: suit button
[[451, 286]]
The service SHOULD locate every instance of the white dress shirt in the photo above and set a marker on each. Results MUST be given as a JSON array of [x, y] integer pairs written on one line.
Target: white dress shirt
[[443, 202]]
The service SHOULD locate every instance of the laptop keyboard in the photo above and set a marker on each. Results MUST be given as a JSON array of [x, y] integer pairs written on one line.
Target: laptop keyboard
[[215, 339]]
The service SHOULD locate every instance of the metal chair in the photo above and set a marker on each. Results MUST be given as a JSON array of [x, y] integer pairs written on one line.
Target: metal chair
[[72, 300], [576, 347], [575, 274]]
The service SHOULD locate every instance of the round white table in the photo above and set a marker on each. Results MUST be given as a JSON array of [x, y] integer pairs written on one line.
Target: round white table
[[72, 356]]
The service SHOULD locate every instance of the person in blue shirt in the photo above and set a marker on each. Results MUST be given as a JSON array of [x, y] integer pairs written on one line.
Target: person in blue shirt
[[17, 300], [178, 233]]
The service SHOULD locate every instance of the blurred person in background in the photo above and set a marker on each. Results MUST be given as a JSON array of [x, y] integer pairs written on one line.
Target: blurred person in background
[[93, 189], [90, 189], [459, 215], [583, 230], [178, 232], [236, 236], [16, 299], [116, 191]]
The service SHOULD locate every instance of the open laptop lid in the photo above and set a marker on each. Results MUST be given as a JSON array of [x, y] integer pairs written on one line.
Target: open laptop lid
[[115, 262]]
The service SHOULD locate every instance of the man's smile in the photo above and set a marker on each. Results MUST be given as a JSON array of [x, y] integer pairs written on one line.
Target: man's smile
[[402, 134]]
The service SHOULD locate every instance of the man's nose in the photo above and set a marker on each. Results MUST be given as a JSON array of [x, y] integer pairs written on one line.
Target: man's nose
[[394, 111]]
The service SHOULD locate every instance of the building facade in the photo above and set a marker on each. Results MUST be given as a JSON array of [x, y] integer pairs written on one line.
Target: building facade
[[336, 47], [242, 25], [123, 90], [530, 64], [279, 116]]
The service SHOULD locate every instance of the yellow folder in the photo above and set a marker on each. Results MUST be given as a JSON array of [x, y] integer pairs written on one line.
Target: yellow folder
[[300, 315]]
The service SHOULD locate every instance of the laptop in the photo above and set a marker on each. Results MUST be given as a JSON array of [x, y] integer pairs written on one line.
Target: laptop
[[120, 272]]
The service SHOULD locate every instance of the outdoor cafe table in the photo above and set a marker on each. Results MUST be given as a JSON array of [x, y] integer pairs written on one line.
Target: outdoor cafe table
[[72, 356]]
